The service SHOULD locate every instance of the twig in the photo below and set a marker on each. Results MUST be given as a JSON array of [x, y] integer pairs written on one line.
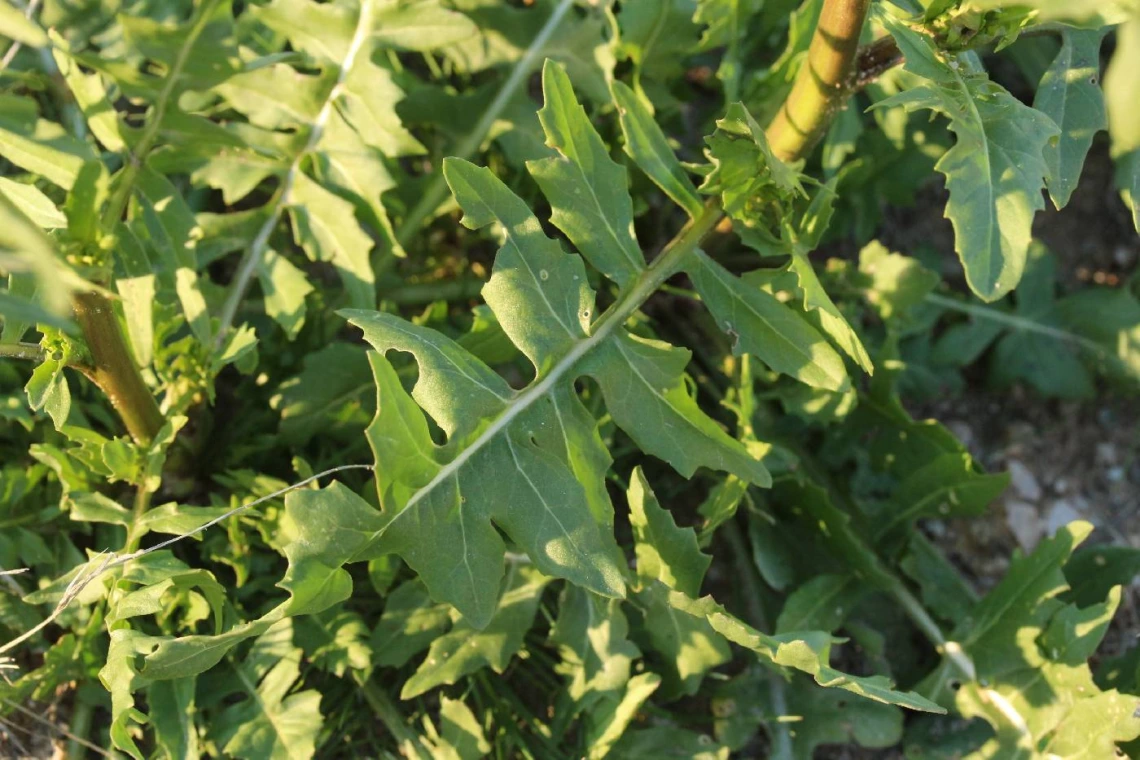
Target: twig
[[113, 560]]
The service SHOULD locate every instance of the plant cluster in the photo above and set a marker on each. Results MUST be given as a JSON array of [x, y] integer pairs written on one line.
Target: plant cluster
[[469, 378]]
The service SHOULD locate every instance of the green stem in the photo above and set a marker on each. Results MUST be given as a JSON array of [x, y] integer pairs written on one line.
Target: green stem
[[416, 293], [137, 156], [434, 193], [824, 80], [113, 368], [28, 351], [390, 715], [1014, 321], [142, 504], [253, 255]]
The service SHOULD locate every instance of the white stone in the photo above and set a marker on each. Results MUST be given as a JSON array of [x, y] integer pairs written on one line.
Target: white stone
[[1023, 480], [1025, 522]]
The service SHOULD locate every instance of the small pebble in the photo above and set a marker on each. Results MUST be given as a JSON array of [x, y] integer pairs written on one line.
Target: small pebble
[[1105, 454], [1023, 520], [1063, 512], [1061, 485], [1115, 474], [1023, 480]]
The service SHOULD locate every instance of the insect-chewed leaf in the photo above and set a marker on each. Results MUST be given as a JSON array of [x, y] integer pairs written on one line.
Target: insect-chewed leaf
[[996, 169]]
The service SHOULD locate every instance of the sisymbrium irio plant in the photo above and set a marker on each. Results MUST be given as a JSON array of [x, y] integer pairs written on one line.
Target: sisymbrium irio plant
[[614, 466]]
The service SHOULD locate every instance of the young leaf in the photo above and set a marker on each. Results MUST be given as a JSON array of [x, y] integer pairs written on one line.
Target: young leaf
[[994, 172], [646, 144]]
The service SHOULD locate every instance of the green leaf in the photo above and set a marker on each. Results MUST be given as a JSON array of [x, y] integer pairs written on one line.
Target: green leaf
[[411, 621], [33, 203], [285, 288], [421, 25], [762, 326], [665, 552], [465, 649], [16, 26], [1031, 683], [667, 741], [587, 191], [727, 25], [897, 282], [647, 394], [947, 486], [1069, 93], [271, 722], [591, 636], [657, 36], [48, 391], [687, 644], [39, 146], [805, 652], [994, 172], [1092, 572], [319, 226], [820, 604], [647, 145], [609, 719], [548, 464], [172, 708], [333, 404], [1122, 93], [463, 737]]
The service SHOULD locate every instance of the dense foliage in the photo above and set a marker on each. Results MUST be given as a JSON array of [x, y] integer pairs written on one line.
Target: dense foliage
[[463, 378]]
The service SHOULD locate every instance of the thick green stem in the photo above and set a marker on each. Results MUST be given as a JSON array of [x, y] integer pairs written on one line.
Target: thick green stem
[[113, 368], [824, 81]]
